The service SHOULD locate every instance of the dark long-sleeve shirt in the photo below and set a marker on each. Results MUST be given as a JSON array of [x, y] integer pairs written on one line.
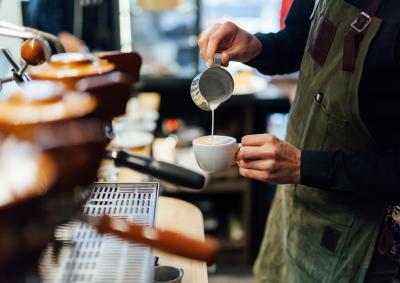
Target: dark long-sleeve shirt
[[52, 16], [379, 100]]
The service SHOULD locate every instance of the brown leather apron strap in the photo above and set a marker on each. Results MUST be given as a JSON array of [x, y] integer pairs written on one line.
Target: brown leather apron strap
[[355, 34]]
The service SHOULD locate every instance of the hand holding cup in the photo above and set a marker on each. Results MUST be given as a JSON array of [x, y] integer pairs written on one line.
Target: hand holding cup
[[266, 158]]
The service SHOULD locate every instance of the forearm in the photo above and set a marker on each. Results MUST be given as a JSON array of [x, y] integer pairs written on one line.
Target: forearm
[[364, 173], [283, 51]]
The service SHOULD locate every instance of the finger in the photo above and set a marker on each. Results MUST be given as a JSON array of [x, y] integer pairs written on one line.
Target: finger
[[262, 176], [225, 30], [239, 146], [204, 38], [202, 43], [261, 164], [225, 58], [257, 152], [231, 54], [257, 140]]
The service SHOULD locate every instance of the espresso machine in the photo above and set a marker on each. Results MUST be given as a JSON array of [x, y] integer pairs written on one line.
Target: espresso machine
[[57, 225]]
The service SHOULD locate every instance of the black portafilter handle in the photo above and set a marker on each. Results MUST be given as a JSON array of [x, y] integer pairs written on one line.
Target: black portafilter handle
[[161, 170]]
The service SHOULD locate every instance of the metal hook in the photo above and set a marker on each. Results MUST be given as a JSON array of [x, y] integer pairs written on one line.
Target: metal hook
[[217, 59]]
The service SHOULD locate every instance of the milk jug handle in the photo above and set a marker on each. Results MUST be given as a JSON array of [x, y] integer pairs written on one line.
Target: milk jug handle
[[217, 59]]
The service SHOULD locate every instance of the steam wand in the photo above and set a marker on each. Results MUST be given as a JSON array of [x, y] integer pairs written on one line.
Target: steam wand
[[34, 52]]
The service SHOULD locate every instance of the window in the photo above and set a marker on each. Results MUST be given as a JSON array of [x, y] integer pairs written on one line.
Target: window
[[167, 39]]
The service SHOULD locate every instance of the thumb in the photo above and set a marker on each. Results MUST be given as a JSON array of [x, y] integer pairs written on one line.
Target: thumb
[[231, 54]]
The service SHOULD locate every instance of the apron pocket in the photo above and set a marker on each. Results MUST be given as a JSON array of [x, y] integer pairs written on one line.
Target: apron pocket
[[314, 246], [336, 135], [322, 40], [322, 130], [316, 124]]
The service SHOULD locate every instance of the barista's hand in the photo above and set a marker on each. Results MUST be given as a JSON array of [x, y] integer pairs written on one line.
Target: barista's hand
[[70, 42], [266, 158], [235, 44]]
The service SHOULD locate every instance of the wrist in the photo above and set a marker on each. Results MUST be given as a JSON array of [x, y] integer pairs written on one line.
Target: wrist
[[255, 48]]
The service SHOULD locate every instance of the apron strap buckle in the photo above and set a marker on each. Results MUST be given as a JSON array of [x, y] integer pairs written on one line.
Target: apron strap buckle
[[354, 36], [361, 23]]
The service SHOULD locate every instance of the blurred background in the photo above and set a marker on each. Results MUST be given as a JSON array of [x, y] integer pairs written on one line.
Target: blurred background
[[165, 34]]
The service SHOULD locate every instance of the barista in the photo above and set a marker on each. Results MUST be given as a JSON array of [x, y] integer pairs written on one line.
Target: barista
[[334, 217]]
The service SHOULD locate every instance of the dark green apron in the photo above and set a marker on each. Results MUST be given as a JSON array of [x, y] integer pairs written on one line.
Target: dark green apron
[[316, 235]]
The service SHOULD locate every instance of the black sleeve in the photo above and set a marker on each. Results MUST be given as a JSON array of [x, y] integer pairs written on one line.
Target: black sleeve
[[364, 173], [49, 16], [282, 51]]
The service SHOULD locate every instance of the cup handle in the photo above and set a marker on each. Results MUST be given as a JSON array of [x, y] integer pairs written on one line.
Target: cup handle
[[217, 59], [239, 145]]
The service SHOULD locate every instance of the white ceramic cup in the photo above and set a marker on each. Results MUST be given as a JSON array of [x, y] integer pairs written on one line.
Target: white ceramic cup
[[217, 156]]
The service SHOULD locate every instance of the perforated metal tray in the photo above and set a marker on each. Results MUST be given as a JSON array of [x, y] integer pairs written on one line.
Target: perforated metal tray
[[89, 257]]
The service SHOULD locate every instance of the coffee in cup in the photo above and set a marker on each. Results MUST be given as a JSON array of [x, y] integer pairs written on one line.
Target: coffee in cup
[[215, 153]]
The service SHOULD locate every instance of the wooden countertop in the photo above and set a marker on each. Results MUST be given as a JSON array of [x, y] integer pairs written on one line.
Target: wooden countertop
[[182, 217]]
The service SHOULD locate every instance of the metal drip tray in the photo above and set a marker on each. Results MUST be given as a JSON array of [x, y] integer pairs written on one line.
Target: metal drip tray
[[86, 256]]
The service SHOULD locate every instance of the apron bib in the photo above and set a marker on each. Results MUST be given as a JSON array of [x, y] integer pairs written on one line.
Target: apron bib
[[316, 235]]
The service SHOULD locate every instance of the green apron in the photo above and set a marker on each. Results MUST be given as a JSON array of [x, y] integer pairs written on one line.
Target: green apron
[[316, 235]]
